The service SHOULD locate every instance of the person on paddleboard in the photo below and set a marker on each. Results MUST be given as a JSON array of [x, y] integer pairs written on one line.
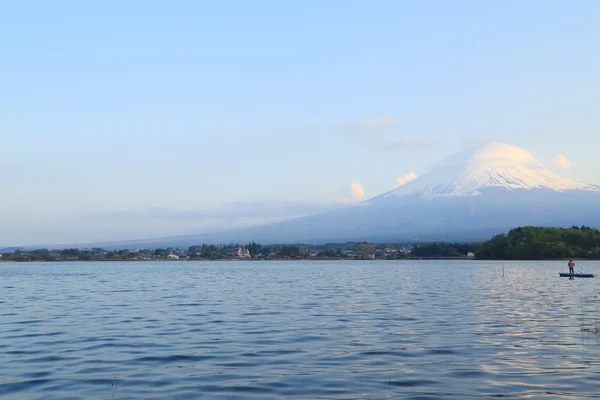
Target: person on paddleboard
[[571, 266]]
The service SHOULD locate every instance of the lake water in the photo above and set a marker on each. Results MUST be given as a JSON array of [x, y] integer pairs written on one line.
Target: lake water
[[296, 330]]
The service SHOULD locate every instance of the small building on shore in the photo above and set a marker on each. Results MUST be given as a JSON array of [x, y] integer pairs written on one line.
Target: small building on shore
[[239, 252]]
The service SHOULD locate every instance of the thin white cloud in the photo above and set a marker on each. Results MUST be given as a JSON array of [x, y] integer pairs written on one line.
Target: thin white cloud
[[380, 132], [563, 162], [162, 222], [159, 222], [229, 212], [376, 124], [408, 143], [401, 180]]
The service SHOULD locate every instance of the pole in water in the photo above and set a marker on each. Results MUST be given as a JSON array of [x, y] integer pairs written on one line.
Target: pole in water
[[502, 269]]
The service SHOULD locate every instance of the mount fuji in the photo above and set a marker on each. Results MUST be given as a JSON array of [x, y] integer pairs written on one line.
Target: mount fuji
[[495, 165], [469, 196]]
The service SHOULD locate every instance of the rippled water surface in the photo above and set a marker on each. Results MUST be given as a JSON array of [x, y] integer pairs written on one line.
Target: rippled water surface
[[295, 330]]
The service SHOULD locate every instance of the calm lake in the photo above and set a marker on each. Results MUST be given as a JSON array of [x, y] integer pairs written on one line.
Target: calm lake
[[297, 330]]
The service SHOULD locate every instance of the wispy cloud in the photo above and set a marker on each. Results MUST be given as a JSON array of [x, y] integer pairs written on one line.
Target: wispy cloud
[[408, 143], [228, 212], [563, 162], [161, 222], [381, 132], [402, 180], [376, 124]]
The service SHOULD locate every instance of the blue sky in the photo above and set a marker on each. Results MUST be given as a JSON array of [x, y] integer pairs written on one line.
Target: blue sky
[[128, 119]]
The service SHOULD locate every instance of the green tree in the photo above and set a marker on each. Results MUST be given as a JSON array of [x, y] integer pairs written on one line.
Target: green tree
[[290, 251], [535, 243]]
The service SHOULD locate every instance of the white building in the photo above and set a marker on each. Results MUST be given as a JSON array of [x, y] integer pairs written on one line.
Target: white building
[[240, 253]]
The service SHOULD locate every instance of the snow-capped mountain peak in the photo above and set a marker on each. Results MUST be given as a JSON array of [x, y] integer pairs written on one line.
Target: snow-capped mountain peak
[[492, 165]]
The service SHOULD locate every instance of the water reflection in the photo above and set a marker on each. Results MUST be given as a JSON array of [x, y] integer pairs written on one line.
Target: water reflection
[[342, 330]]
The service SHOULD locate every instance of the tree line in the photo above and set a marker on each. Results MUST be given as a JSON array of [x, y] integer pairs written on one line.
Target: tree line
[[539, 243]]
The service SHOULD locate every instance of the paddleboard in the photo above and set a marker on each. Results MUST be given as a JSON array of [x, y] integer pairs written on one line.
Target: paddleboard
[[563, 275]]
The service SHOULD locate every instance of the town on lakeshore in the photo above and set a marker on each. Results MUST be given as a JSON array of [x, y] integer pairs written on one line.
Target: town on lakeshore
[[524, 243], [251, 251]]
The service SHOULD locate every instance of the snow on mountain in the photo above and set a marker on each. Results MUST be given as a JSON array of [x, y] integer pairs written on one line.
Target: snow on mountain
[[492, 165]]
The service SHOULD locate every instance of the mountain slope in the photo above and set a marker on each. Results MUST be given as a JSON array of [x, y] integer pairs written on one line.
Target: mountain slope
[[443, 218], [470, 196], [475, 193]]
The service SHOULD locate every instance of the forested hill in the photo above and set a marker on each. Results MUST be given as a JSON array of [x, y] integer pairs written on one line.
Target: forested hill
[[537, 243]]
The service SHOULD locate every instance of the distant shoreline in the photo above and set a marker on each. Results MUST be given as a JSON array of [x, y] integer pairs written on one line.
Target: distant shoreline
[[297, 259], [527, 243], [257, 259]]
